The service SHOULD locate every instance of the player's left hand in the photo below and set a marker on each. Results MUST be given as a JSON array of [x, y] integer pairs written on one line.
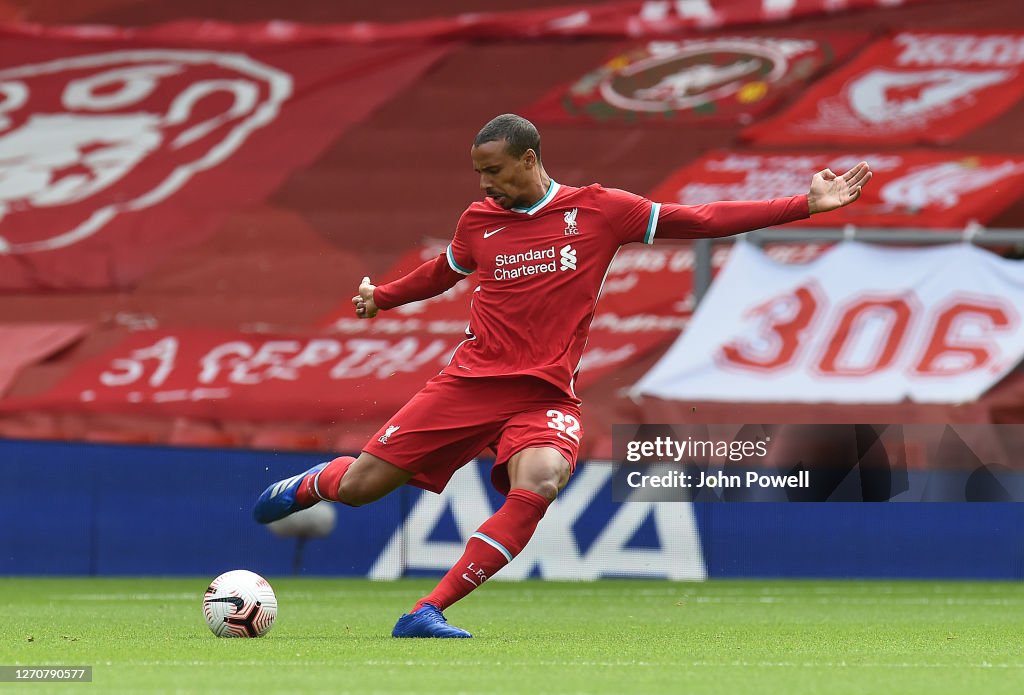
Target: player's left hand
[[830, 191]]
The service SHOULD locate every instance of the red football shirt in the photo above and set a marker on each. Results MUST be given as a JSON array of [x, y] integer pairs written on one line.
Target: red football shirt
[[541, 270]]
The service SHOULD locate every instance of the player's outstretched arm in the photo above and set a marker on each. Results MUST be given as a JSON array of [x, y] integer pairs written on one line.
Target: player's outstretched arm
[[725, 218], [830, 191], [429, 280]]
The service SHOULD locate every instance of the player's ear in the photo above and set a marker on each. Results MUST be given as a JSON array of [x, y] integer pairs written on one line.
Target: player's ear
[[529, 159]]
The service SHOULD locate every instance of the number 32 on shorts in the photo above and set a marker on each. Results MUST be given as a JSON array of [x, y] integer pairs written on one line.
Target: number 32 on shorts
[[567, 425]]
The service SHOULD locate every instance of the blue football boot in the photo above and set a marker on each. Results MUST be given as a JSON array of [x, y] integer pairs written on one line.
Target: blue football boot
[[278, 500], [426, 622]]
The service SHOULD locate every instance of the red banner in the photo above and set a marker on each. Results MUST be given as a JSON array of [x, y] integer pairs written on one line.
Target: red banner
[[906, 89], [25, 344], [114, 155], [651, 18], [225, 375], [727, 79], [221, 374], [916, 188]]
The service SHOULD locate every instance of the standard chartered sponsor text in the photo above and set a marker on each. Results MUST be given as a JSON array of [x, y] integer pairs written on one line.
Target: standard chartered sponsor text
[[516, 265]]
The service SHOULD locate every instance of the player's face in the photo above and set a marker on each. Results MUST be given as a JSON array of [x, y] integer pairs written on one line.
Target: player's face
[[504, 178]]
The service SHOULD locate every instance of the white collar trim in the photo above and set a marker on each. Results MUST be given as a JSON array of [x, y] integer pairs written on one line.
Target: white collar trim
[[548, 197]]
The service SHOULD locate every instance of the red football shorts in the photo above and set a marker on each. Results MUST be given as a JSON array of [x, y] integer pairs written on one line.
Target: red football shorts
[[452, 419]]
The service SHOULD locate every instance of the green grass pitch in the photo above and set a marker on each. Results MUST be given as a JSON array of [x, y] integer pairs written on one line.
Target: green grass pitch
[[730, 637]]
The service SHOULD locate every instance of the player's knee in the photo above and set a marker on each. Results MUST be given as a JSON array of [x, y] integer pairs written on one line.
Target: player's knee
[[545, 476], [548, 489], [352, 492]]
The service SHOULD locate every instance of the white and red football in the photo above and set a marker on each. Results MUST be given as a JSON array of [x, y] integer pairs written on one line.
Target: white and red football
[[240, 603]]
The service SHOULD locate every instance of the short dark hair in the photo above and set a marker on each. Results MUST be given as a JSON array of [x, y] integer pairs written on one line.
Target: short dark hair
[[519, 134]]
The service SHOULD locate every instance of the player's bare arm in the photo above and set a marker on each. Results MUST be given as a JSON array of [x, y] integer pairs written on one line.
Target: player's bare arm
[[830, 191], [366, 308]]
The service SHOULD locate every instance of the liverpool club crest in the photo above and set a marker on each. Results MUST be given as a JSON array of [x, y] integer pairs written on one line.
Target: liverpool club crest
[[570, 222]]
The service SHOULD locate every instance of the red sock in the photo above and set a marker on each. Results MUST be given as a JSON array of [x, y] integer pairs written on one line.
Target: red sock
[[493, 546], [323, 485]]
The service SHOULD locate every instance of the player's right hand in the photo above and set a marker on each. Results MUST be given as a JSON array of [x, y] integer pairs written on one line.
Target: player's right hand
[[363, 302]]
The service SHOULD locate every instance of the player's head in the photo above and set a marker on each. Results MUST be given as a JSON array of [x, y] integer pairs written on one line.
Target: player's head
[[506, 154]]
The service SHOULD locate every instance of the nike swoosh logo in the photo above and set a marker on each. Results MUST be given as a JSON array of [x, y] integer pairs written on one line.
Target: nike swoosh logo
[[493, 232], [466, 577], [235, 601]]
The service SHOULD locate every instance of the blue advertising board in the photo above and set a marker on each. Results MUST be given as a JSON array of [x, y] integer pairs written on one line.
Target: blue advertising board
[[86, 509]]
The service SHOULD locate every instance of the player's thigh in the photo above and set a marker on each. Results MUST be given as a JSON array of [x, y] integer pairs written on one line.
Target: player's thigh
[[539, 447], [443, 427]]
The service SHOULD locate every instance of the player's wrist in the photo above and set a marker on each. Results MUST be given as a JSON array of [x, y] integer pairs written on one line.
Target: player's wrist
[[379, 300]]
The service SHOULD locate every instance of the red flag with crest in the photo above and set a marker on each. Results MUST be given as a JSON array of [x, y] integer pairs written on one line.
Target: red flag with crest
[[905, 89], [114, 154]]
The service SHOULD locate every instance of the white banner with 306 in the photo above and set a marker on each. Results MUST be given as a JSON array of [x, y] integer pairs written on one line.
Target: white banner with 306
[[860, 324]]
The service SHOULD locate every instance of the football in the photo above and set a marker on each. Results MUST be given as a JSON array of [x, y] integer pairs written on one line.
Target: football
[[240, 603]]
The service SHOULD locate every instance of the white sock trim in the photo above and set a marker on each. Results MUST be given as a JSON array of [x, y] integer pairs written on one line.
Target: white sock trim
[[494, 544], [316, 485]]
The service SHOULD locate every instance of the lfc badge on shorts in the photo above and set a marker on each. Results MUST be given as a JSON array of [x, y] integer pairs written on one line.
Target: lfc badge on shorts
[[383, 439]]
